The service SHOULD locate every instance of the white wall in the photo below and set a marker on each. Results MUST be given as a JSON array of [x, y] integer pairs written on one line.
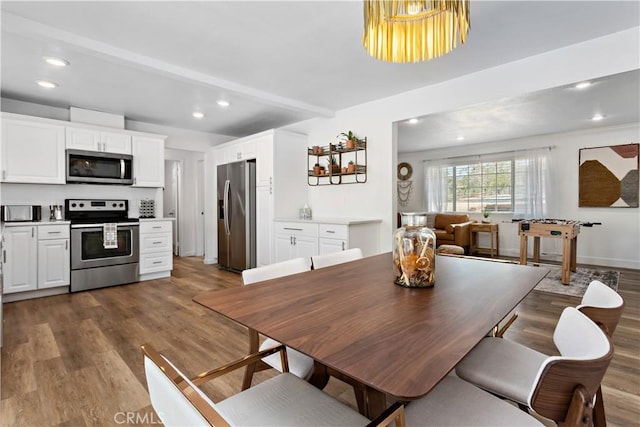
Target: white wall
[[187, 208], [607, 55], [615, 243]]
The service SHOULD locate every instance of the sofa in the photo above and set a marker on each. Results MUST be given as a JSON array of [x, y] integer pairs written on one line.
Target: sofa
[[452, 229]]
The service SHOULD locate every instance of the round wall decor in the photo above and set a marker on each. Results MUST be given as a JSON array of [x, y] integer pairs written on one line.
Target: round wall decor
[[404, 171]]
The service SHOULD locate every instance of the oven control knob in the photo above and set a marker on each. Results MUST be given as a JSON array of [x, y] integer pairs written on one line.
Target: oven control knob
[[73, 205], [114, 205], [82, 205], [121, 205]]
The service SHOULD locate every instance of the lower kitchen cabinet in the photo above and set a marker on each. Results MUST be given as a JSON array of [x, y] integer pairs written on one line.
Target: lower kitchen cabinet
[[294, 239], [305, 238], [19, 259], [54, 256], [35, 257], [156, 256]]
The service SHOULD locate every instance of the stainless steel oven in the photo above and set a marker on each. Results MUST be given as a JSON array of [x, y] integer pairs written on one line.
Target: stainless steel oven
[[104, 244]]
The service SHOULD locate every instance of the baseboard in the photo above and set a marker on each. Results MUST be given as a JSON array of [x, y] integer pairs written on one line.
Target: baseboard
[[595, 261], [19, 296], [210, 261]]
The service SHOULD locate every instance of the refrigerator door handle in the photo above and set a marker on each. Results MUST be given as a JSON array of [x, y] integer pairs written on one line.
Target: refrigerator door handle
[[227, 186]]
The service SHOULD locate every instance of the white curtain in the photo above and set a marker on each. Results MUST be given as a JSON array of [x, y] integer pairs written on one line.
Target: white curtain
[[435, 185], [532, 184]]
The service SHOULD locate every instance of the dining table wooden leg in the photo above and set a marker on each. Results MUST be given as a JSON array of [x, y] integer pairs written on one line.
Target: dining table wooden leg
[[254, 344], [376, 402], [319, 377]]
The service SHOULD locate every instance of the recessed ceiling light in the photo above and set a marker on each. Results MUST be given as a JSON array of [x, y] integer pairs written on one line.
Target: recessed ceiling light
[[597, 117], [460, 138], [413, 121], [46, 84], [223, 103], [56, 62], [582, 85], [197, 114]]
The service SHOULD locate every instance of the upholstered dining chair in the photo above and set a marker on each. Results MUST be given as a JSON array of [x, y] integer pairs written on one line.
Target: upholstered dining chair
[[300, 364], [562, 388], [604, 306], [326, 260], [287, 400]]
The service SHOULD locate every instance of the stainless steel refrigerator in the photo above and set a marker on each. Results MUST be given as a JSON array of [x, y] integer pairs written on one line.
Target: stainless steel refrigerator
[[237, 215]]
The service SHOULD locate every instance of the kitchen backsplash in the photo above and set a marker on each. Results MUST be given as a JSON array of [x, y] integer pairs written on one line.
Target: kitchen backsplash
[[45, 195]]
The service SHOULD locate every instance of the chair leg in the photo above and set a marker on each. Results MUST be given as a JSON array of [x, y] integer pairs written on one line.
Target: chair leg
[[599, 419]]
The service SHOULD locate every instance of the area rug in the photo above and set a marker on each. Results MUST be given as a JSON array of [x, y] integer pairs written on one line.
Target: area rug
[[578, 282]]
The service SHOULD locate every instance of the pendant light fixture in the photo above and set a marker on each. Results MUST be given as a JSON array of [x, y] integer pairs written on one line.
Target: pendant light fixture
[[414, 30]]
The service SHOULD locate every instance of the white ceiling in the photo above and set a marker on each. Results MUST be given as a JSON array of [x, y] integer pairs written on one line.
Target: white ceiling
[[276, 62]]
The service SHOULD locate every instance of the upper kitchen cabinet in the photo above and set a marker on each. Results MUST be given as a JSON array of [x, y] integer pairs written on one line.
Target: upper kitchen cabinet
[[148, 161], [90, 139], [32, 151]]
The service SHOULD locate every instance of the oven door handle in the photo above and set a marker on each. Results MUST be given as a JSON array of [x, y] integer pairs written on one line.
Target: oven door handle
[[101, 226]]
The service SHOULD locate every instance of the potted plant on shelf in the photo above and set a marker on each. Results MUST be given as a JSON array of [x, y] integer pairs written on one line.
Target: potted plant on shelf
[[351, 167], [349, 138], [333, 165], [316, 169]]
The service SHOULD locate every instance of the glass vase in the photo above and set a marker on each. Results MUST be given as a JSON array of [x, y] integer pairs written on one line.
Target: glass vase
[[414, 252]]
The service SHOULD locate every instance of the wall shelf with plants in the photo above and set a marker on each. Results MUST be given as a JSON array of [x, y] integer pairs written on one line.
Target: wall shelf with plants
[[344, 162]]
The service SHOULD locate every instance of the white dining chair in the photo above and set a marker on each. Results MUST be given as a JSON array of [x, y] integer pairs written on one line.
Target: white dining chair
[[300, 364], [326, 260], [287, 400], [546, 384], [603, 305]]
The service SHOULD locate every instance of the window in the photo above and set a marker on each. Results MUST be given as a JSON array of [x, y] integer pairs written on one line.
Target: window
[[504, 182], [482, 186]]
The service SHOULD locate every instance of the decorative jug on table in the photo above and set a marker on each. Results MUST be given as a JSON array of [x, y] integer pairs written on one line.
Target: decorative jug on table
[[414, 252]]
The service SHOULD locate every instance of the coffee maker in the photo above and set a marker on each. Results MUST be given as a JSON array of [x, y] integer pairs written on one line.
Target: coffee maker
[[56, 212]]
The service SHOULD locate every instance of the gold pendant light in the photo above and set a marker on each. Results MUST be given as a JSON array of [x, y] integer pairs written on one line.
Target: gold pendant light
[[414, 30]]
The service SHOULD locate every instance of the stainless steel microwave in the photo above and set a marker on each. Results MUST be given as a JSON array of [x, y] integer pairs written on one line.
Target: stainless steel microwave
[[92, 167]]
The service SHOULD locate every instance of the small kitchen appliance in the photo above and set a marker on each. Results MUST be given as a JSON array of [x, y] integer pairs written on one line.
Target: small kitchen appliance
[[56, 213], [18, 213]]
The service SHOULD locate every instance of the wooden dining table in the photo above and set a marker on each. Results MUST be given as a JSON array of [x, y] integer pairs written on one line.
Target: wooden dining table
[[396, 342]]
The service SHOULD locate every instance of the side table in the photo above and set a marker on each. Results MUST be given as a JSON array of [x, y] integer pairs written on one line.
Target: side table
[[492, 229]]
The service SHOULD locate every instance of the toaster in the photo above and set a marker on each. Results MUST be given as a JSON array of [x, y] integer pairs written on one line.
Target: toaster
[[17, 213]]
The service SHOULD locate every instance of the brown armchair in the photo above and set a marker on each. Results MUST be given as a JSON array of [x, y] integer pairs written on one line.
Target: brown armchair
[[452, 229]]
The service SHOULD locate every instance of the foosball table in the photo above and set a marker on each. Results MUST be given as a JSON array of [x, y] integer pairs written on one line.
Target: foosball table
[[567, 230]]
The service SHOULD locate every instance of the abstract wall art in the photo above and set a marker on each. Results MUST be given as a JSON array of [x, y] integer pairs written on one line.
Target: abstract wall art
[[608, 176]]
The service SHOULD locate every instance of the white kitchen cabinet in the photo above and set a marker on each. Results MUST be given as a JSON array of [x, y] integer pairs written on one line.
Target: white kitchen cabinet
[[19, 259], [32, 152], [148, 161], [156, 256], [54, 256], [295, 239], [80, 138], [347, 234], [264, 224]]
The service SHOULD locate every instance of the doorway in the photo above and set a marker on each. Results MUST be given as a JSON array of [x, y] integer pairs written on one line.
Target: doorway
[[171, 199]]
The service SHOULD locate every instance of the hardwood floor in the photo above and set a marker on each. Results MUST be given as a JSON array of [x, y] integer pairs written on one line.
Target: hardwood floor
[[74, 359]]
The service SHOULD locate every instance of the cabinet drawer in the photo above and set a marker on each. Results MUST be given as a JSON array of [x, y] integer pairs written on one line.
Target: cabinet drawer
[[53, 232], [296, 229], [155, 242], [155, 226], [151, 263], [334, 231]]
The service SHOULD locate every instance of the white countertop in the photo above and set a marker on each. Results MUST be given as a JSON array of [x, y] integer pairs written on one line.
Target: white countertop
[[340, 221], [156, 219], [43, 222]]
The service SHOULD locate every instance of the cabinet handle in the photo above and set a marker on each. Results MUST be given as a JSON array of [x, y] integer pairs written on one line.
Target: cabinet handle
[[343, 246], [157, 226], [54, 232], [4, 256], [157, 262], [270, 190], [32, 232], [294, 240], [66, 245], [270, 180], [291, 240], [294, 229], [157, 243], [331, 232]]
